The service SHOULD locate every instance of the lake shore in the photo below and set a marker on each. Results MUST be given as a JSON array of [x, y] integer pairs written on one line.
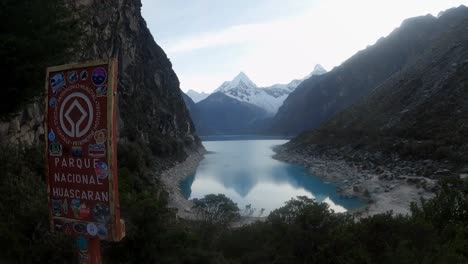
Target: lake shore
[[171, 179], [384, 189]]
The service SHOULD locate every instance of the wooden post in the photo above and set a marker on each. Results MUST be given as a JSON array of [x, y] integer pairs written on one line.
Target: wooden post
[[89, 251]]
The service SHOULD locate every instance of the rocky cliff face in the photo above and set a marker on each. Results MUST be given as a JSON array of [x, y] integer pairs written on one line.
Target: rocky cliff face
[[151, 108]]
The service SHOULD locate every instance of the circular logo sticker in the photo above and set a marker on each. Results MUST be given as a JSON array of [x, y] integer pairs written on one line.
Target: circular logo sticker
[[101, 170], [84, 75], [72, 76], [92, 229], [102, 231], [53, 102], [76, 115], [99, 76]]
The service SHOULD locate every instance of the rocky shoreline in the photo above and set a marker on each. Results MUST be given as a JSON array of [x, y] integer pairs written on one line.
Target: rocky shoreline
[[384, 187], [171, 179]]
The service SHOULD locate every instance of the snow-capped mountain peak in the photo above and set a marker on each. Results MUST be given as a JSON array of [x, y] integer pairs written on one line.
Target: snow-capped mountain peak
[[240, 81], [242, 77], [268, 98]]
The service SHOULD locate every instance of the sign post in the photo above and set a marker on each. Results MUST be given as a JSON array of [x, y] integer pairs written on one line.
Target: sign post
[[81, 154]]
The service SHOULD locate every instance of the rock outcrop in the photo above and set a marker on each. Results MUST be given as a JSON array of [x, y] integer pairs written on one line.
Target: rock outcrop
[[151, 108]]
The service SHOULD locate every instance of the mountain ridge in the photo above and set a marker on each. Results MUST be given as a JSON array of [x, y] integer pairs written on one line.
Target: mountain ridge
[[269, 98], [317, 99]]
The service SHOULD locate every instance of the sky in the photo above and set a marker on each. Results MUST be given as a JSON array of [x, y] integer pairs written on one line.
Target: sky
[[272, 41]]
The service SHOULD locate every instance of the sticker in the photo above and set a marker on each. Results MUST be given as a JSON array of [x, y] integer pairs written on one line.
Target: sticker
[[99, 76], [97, 150], [79, 228], [83, 257], [84, 211], [102, 231], [83, 247], [92, 229], [53, 102], [67, 228], [75, 206], [101, 91], [65, 207], [77, 151], [55, 149], [72, 77], [101, 213], [82, 243], [57, 83], [100, 136], [56, 206], [101, 170], [51, 135], [84, 75]]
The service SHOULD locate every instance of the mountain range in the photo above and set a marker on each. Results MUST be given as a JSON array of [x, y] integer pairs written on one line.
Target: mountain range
[[243, 89], [239, 106]]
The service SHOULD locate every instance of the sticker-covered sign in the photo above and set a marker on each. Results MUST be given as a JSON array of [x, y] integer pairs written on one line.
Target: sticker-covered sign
[[81, 150]]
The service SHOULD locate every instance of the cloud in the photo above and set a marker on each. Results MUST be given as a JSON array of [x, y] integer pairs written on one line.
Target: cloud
[[231, 35], [281, 50]]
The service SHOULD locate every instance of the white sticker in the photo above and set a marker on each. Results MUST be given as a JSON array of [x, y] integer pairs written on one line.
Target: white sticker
[[92, 229]]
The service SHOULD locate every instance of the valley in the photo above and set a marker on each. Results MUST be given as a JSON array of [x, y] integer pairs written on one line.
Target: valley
[[364, 163]]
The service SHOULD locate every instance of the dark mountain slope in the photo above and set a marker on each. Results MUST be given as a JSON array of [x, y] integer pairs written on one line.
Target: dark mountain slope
[[220, 114], [420, 113], [189, 103], [151, 108], [319, 98]]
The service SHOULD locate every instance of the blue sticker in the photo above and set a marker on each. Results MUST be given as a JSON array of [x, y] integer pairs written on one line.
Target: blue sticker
[[75, 205], [101, 170], [82, 243], [72, 76], [77, 151], [51, 135], [57, 83], [102, 231], [99, 76], [53, 102]]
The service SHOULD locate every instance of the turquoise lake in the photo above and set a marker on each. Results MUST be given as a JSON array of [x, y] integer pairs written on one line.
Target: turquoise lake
[[243, 169]]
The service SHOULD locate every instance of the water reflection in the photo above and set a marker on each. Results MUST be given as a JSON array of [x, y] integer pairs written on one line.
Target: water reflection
[[244, 171]]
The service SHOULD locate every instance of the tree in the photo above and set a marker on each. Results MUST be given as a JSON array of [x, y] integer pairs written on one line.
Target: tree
[[216, 209]]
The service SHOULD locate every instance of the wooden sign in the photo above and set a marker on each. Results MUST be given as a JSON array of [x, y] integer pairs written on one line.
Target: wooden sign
[[81, 150]]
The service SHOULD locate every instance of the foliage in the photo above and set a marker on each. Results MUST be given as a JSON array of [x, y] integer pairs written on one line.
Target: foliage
[[24, 224], [216, 209], [302, 231], [34, 34]]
